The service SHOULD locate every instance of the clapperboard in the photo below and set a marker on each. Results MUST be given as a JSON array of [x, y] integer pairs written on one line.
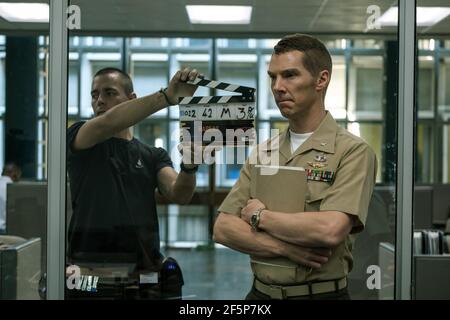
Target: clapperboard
[[233, 116]]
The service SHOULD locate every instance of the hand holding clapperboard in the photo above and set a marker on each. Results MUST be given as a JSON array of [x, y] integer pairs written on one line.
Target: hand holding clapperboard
[[224, 120]]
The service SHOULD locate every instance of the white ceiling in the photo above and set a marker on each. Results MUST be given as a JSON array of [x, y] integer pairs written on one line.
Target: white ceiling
[[269, 18]]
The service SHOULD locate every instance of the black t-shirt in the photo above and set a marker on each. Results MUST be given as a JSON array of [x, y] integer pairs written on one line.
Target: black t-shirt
[[113, 199]]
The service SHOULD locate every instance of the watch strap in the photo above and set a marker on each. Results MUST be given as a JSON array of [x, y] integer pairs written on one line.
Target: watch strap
[[188, 170]]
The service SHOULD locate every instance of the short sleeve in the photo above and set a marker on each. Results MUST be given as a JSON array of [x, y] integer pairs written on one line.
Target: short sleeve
[[239, 194], [352, 188], [162, 159], [71, 135]]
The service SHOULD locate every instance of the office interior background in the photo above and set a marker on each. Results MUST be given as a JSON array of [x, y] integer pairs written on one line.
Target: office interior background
[[150, 40]]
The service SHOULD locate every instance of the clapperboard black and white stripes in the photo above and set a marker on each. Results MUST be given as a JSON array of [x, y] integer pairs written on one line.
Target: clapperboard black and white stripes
[[228, 120]]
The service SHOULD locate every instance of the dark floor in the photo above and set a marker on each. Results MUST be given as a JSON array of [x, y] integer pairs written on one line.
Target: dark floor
[[213, 274], [225, 274]]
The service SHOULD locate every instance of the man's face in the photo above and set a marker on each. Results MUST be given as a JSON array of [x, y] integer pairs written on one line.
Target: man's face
[[107, 91], [13, 173], [293, 87]]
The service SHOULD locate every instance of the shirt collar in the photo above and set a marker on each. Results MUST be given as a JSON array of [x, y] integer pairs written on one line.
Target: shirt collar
[[323, 139]]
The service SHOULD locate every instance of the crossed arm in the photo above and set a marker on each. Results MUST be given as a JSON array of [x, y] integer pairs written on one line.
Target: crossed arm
[[311, 229], [234, 232], [306, 238]]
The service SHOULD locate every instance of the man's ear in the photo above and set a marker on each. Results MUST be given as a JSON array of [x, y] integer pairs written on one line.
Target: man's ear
[[323, 80]]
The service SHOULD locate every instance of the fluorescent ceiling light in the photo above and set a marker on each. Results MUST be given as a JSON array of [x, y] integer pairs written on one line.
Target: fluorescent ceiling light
[[426, 16], [219, 14], [24, 12]]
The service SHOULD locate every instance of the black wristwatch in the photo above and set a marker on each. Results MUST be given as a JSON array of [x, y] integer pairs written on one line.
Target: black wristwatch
[[255, 218], [188, 170]]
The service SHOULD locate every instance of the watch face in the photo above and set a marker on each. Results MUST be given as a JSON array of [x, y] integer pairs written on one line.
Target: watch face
[[254, 220]]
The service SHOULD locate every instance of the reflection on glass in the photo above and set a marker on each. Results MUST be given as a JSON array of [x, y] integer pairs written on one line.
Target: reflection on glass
[[425, 153], [336, 44], [42, 149], [90, 63], [101, 42], [187, 225], [431, 200], [43, 79], [2, 142], [2, 82], [230, 161], [335, 97], [446, 154], [191, 43], [152, 133], [237, 69], [149, 74], [73, 88], [279, 125], [196, 61], [368, 43], [152, 60], [23, 141], [149, 42], [271, 105], [236, 43], [444, 92], [366, 88], [426, 44], [425, 94], [372, 134]]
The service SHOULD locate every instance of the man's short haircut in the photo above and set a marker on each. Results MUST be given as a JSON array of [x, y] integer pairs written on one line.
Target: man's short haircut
[[316, 57], [11, 166], [127, 83]]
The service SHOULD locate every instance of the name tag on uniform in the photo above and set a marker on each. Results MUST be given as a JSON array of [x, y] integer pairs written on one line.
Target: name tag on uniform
[[319, 175], [151, 277]]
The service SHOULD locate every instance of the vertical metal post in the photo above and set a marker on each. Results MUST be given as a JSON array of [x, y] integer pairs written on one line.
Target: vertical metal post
[[212, 167], [56, 219], [405, 162]]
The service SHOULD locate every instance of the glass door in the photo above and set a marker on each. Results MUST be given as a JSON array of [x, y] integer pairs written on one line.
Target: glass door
[[364, 44]]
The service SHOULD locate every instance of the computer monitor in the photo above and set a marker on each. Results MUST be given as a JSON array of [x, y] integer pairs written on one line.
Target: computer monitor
[[423, 207], [386, 194], [424, 204], [441, 204], [431, 277], [20, 270], [377, 229], [26, 212], [386, 262]]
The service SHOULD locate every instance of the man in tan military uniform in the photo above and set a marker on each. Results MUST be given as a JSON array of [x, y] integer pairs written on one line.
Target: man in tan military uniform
[[303, 254]]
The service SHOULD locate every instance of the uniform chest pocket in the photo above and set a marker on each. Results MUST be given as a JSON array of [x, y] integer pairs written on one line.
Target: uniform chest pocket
[[317, 190]]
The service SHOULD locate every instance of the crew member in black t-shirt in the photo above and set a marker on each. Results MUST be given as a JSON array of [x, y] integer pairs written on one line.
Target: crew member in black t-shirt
[[113, 176]]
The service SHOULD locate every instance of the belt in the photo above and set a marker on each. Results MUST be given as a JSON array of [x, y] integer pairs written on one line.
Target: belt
[[311, 288]]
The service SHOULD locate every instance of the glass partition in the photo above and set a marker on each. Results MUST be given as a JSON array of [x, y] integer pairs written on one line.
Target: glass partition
[[24, 59], [362, 97], [431, 189]]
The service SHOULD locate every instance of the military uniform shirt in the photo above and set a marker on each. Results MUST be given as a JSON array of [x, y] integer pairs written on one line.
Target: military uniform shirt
[[341, 172]]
